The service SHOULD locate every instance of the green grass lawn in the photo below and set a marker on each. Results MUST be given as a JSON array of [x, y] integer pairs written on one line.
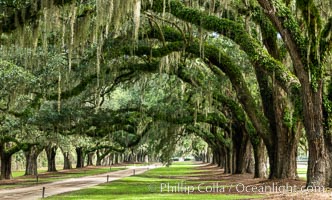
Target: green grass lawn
[[153, 185], [16, 174], [302, 172]]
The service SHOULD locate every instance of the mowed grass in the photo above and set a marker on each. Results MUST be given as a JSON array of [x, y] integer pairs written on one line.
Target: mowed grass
[[302, 173], [16, 174], [44, 177], [158, 183]]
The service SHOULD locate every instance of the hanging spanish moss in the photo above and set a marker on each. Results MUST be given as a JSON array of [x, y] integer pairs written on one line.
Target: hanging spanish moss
[[59, 92], [72, 31], [201, 43], [99, 46], [170, 63], [110, 16], [137, 14], [45, 31]]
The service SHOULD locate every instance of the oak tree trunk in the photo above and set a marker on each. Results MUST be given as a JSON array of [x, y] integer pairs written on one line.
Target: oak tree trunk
[[215, 157], [228, 161], [6, 168], [284, 152], [90, 159], [31, 156], [313, 122], [67, 162], [80, 157], [112, 159], [6, 159], [243, 152], [99, 157], [260, 159], [116, 158], [328, 142], [51, 153], [105, 160]]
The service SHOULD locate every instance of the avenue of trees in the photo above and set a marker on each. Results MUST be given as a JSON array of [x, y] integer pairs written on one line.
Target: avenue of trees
[[237, 82]]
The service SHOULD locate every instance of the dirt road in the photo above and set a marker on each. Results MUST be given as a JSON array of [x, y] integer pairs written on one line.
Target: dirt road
[[35, 192]]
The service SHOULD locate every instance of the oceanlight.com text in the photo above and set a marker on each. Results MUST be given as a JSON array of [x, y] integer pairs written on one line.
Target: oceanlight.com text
[[218, 187]]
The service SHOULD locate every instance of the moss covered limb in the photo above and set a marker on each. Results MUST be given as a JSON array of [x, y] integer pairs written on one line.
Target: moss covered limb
[[122, 119], [86, 81], [285, 23], [115, 48], [238, 113], [76, 90], [108, 147], [209, 137], [225, 102], [213, 118], [27, 14], [326, 40], [269, 37], [312, 19], [14, 147], [308, 53], [243, 93], [235, 31]]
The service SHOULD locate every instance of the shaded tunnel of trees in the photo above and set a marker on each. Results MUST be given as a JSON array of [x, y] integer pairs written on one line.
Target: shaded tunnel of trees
[[242, 84]]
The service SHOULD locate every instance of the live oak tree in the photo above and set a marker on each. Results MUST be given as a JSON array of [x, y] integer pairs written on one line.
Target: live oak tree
[[288, 43], [14, 111]]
